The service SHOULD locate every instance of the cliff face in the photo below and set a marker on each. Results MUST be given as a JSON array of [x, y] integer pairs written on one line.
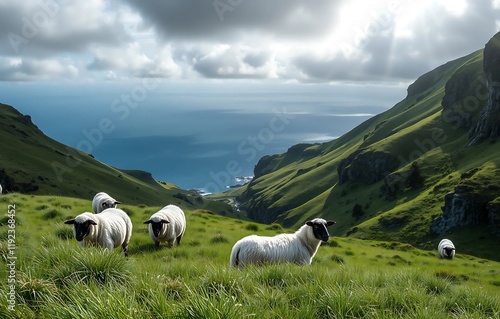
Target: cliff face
[[488, 125], [366, 167], [462, 207], [465, 94]]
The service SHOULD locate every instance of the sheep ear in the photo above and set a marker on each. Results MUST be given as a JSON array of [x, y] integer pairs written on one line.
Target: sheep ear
[[70, 221], [309, 223], [164, 221], [330, 223], [148, 221], [91, 222], [117, 202]]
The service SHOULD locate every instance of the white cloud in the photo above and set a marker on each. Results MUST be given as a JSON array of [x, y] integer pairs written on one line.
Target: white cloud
[[28, 69], [289, 40]]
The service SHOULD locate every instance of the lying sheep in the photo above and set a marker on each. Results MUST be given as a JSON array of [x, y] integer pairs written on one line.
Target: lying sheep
[[109, 229], [446, 249], [168, 224], [298, 248], [103, 201]]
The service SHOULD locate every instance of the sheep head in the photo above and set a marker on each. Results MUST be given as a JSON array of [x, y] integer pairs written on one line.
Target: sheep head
[[156, 225], [109, 204], [320, 229], [82, 227]]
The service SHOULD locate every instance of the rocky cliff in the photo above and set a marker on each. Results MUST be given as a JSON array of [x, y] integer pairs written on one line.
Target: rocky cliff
[[488, 125], [366, 166]]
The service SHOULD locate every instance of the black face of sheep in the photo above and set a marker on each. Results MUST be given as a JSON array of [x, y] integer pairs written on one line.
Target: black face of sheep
[[156, 226], [81, 229], [110, 204], [448, 251], [320, 229]]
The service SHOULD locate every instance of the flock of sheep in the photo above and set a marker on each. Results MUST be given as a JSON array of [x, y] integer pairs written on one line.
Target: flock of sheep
[[110, 227]]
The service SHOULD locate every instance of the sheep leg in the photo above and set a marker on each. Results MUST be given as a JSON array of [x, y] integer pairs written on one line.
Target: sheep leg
[[125, 249], [179, 240], [170, 243], [157, 243]]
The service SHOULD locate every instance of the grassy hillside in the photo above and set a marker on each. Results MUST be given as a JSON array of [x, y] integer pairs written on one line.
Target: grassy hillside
[[31, 162], [377, 197], [349, 278]]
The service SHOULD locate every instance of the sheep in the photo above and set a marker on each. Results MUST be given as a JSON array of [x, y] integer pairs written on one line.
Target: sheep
[[446, 249], [109, 229], [103, 201], [168, 224], [1, 190], [298, 248]]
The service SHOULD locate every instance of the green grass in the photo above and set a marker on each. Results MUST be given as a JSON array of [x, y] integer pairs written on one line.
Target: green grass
[[349, 278]]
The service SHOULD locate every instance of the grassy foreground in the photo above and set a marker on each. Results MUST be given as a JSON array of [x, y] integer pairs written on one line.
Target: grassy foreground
[[349, 278]]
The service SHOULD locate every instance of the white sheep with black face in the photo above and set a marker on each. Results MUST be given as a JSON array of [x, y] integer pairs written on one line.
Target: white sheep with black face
[[103, 201], [167, 225], [109, 229], [298, 248], [446, 249]]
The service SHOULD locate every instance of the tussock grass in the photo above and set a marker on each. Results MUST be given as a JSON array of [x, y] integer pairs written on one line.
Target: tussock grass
[[56, 278]]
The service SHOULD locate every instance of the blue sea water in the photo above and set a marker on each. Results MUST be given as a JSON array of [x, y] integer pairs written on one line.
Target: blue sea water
[[197, 137]]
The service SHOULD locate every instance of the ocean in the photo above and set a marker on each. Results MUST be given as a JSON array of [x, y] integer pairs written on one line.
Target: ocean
[[205, 137]]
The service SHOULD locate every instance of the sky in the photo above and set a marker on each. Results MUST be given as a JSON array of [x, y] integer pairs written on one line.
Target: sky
[[209, 75], [285, 40]]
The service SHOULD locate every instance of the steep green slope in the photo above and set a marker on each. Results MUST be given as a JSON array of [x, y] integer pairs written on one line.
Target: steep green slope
[[31, 162], [388, 177]]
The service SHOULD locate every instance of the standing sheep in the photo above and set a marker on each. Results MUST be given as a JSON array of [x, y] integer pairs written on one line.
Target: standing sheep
[[109, 229], [103, 201], [298, 248], [168, 224], [446, 249]]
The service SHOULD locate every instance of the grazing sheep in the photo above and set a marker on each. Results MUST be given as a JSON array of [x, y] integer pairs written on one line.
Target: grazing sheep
[[168, 224], [299, 247], [103, 201], [446, 249], [109, 229]]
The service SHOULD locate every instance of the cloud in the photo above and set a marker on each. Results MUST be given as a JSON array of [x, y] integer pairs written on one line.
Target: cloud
[[17, 69], [288, 40], [130, 60], [203, 20], [226, 61], [50, 27]]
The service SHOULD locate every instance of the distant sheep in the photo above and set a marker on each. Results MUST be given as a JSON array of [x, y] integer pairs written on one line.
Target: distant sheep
[[298, 248], [168, 224], [103, 201], [446, 249], [1, 190], [109, 229]]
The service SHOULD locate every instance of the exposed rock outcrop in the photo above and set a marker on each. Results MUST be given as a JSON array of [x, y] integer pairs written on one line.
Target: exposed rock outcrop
[[367, 167], [462, 207], [465, 95], [494, 216], [488, 125]]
